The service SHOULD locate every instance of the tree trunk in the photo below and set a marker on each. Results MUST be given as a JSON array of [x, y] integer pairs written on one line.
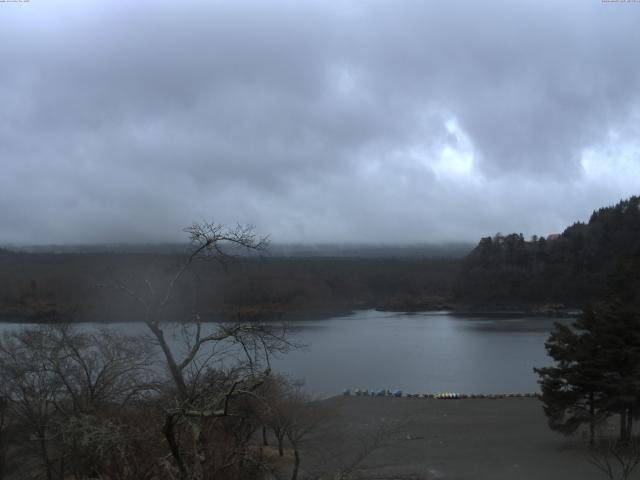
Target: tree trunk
[[592, 419], [3, 435], [624, 435], [629, 424], [296, 463], [175, 371], [169, 434], [45, 454], [280, 445], [264, 436], [3, 454], [61, 472], [199, 452]]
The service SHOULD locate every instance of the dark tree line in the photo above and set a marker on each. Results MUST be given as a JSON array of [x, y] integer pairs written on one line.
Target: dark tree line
[[64, 287], [572, 268]]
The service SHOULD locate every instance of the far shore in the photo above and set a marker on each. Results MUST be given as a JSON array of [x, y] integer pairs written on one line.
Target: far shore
[[323, 314]]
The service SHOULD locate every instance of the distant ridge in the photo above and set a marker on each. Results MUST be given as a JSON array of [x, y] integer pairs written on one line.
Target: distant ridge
[[138, 248], [425, 250]]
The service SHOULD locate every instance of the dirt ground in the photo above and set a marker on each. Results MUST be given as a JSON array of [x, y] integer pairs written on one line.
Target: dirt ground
[[444, 439]]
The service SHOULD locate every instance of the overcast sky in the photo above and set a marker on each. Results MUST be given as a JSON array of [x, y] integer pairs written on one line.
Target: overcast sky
[[327, 121]]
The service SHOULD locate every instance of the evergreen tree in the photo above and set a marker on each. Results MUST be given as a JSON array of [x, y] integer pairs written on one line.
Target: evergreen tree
[[573, 389], [571, 268], [597, 370]]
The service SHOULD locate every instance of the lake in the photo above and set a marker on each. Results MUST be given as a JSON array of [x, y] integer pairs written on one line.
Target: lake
[[425, 352]]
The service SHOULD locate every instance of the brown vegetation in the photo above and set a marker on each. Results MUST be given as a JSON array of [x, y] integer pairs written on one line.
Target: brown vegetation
[[67, 287]]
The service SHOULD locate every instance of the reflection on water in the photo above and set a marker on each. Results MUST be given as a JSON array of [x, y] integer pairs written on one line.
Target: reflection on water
[[424, 352], [418, 352]]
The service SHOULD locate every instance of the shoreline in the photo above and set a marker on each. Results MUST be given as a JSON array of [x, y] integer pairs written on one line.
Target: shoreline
[[357, 392], [320, 315]]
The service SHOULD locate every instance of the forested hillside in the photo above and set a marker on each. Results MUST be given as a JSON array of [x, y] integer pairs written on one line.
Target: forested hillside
[[76, 287], [571, 269]]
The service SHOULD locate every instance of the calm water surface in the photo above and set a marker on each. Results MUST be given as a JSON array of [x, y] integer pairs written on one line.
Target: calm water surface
[[418, 353]]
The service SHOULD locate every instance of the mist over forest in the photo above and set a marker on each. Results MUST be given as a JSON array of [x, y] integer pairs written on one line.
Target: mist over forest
[[435, 250], [510, 272]]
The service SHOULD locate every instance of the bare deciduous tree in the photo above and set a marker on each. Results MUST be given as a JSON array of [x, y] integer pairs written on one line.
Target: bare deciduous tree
[[191, 403], [4, 421], [91, 403], [290, 413], [615, 459], [33, 391], [305, 414], [273, 409], [55, 376], [98, 368]]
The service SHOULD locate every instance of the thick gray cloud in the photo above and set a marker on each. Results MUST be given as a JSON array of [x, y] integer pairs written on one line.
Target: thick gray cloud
[[316, 121]]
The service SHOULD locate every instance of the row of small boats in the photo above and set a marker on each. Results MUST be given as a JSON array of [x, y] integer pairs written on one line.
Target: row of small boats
[[363, 392]]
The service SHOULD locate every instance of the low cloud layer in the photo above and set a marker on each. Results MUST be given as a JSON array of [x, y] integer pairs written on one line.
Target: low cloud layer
[[376, 121]]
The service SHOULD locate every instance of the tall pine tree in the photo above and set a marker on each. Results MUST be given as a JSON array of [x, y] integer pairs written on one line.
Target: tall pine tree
[[597, 361], [573, 390]]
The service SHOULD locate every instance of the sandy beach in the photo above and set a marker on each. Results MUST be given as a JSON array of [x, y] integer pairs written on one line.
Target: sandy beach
[[449, 439]]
